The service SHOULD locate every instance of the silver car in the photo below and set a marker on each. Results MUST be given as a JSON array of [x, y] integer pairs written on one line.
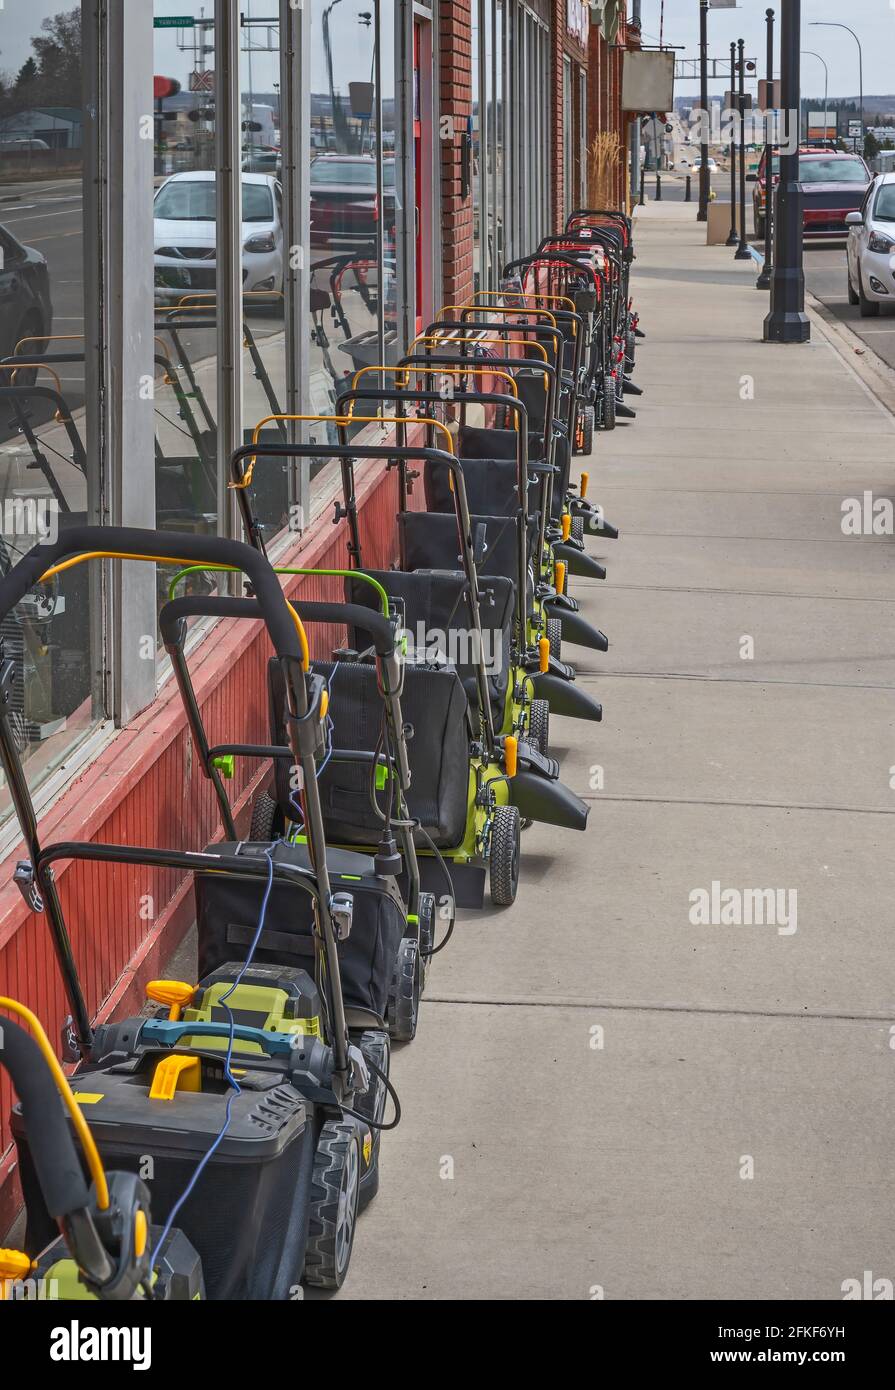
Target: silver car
[[871, 248]]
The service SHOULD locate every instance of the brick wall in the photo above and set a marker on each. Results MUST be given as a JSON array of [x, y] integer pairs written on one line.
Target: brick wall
[[455, 92]]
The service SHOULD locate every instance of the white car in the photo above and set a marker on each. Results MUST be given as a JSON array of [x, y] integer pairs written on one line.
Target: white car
[[711, 166], [870, 255], [186, 236]]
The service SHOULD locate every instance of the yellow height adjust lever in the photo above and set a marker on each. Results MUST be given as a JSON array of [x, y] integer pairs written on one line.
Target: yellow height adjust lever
[[585, 479], [566, 526], [544, 653], [14, 1267], [175, 993], [560, 575], [173, 1074]]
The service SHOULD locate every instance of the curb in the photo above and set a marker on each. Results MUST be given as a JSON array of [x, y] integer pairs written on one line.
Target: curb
[[876, 375]]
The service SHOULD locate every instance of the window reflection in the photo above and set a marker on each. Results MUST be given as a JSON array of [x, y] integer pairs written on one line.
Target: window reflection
[[45, 454], [353, 202], [185, 272]]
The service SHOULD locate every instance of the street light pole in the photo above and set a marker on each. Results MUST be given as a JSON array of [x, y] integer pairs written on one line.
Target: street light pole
[[732, 238], [764, 278], [743, 252], [787, 322], [832, 24], [703, 213], [809, 53]]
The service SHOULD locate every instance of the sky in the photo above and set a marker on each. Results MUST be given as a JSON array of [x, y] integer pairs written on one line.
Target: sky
[[351, 42], [872, 20]]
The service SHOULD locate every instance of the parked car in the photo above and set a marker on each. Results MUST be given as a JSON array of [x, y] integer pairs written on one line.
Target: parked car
[[186, 235], [833, 185], [26, 309], [343, 198], [870, 253], [258, 159], [710, 165]]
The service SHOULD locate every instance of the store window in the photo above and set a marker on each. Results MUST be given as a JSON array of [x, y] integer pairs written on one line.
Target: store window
[[266, 368], [582, 137], [478, 231], [50, 455], [354, 198], [568, 148], [184, 265]]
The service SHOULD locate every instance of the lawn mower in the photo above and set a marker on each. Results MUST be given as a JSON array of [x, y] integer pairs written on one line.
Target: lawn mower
[[103, 1232], [244, 1088], [551, 552], [366, 757], [565, 410], [469, 789]]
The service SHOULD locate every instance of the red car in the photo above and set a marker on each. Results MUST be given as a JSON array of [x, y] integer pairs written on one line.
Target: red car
[[833, 185], [344, 205]]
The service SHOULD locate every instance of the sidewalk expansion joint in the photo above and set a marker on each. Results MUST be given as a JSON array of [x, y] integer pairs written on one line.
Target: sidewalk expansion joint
[[605, 586], [523, 1001], [582, 676], [596, 797]]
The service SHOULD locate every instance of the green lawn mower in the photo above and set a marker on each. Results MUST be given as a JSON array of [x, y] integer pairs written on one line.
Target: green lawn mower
[[469, 787]]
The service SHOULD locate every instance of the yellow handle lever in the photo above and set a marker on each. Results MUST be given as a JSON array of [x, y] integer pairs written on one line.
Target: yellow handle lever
[[560, 575], [544, 652], [510, 755], [175, 993]]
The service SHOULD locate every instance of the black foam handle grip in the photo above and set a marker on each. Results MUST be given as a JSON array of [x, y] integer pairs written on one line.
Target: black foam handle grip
[[310, 611], [53, 1152], [201, 550]]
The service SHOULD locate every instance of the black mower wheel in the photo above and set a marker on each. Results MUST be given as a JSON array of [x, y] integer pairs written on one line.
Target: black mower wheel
[[335, 1190], [265, 817], [587, 430], [576, 533], [404, 993], [374, 1044], [506, 844], [630, 347], [553, 634], [539, 725], [607, 420], [427, 934]]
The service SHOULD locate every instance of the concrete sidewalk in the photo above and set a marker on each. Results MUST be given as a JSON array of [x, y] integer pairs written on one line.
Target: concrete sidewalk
[[594, 1074]]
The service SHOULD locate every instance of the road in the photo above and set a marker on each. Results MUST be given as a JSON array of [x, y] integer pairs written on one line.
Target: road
[[824, 267]]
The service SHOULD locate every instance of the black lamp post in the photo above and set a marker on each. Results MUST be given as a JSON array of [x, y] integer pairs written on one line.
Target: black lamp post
[[743, 252], [703, 213], [732, 237], [787, 322], [764, 278]]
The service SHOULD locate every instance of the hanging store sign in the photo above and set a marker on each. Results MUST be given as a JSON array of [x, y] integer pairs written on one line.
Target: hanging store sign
[[578, 20]]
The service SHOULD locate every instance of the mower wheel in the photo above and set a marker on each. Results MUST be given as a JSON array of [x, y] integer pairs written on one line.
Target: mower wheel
[[630, 347], [539, 725], [404, 994], [577, 533], [335, 1189], [506, 844], [554, 637], [607, 420], [427, 934], [265, 815], [374, 1044], [587, 430]]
